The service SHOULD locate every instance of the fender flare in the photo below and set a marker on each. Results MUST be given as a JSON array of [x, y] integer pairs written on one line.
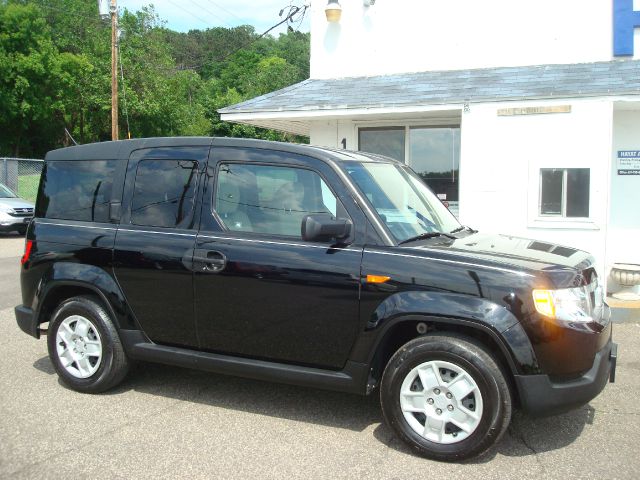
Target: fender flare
[[103, 285], [459, 310], [520, 359]]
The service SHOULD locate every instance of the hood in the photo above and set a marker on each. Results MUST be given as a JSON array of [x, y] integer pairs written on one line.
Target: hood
[[509, 251], [16, 203]]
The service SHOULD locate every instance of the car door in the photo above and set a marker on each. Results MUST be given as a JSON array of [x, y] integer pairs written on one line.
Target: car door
[[155, 240], [261, 291]]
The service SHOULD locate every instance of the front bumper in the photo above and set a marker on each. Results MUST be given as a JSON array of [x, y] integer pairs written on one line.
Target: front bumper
[[10, 223], [27, 321], [539, 395]]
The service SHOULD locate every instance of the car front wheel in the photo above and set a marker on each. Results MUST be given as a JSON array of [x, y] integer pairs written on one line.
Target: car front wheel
[[446, 397]]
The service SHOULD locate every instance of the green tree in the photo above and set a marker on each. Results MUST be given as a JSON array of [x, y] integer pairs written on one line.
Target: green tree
[[29, 70], [272, 73], [55, 67], [160, 99]]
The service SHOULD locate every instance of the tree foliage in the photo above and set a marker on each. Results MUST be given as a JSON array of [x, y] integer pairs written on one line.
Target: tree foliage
[[55, 73]]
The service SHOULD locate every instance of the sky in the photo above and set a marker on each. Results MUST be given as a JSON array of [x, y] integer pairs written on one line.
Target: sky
[[185, 15]]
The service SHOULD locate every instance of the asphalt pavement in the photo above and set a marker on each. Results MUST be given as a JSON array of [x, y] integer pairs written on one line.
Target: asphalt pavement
[[166, 422]]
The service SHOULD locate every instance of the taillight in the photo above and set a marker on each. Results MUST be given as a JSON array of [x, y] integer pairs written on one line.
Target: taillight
[[27, 252]]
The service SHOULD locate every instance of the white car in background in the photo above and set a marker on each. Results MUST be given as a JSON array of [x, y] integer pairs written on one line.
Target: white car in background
[[15, 213]]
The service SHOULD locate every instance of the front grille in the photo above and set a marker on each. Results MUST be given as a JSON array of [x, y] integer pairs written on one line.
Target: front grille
[[22, 212]]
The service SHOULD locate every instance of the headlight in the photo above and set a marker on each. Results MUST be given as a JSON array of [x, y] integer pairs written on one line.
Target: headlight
[[6, 209], [581, 304]]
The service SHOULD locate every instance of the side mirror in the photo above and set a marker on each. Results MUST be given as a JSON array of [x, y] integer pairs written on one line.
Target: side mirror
[[324, 228]]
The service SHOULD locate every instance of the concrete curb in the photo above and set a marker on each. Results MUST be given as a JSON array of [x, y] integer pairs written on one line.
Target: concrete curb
[[625, 315]]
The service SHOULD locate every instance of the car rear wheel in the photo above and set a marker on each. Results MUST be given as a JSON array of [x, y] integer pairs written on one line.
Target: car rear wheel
[[84, 346], [446, 397]]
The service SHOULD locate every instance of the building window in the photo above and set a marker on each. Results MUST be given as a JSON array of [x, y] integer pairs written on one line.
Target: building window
[[433, 152], [387, 141], [564, 192]]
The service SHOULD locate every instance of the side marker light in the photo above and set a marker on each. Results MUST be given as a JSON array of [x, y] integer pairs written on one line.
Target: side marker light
[[377, 278]]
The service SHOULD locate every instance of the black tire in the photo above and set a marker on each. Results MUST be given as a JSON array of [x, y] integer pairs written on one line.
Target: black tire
[[475, 360], [22, 230], [113, 366]]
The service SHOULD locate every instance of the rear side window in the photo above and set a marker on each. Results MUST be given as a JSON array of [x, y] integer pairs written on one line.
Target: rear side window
[[164, 193], [76, 190]]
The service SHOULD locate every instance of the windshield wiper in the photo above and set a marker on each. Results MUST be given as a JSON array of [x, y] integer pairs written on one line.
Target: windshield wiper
[[463, 227], [426, 235]]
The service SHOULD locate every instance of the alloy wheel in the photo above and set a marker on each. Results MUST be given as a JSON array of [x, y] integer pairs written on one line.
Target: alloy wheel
[[441, 402], [78, 346]]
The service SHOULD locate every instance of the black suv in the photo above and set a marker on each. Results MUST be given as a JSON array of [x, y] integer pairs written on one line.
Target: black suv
[[325, 268]]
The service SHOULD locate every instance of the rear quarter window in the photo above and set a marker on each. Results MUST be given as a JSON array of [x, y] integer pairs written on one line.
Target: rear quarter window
[[164, 193], [76, 190]]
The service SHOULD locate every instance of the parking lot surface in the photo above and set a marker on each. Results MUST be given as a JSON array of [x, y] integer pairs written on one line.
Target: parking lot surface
[[165, 422]]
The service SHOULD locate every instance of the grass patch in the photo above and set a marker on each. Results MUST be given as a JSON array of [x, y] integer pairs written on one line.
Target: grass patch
[[28, 186]]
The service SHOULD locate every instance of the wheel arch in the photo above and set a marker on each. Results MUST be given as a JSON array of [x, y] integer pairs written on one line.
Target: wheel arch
[[60, 290]]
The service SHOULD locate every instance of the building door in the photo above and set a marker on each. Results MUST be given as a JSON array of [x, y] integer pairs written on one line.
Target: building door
[[433, 152]]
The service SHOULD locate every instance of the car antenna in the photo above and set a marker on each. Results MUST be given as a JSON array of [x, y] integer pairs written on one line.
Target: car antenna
[[69, 135]]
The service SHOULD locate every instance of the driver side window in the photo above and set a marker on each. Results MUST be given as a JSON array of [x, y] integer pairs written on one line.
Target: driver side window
[[270, 199]]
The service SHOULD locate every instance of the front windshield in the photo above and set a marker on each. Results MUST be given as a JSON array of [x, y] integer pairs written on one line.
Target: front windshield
[[5, 192], [404, 203]]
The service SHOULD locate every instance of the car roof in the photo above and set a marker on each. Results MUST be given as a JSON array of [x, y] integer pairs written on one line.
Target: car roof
[[121, 149]]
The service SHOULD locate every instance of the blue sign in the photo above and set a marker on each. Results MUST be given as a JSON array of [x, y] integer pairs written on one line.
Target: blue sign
[[628, 153], [628, 162], [625, 19]]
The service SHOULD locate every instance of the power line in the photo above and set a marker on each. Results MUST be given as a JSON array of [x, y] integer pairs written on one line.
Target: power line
[[211, 13], [70, 12], [289, 17], [181, 7], [302, 17], [292, 12], [228, 11]]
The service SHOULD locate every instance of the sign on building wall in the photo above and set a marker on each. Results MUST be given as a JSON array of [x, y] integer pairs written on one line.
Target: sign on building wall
[[628, 162], [625, 20], [508, 112]]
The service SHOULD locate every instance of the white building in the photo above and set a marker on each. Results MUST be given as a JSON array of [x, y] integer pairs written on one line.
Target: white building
[[523, 116]]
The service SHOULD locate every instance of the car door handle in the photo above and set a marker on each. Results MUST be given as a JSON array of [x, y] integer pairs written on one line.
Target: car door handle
[[212, 260]]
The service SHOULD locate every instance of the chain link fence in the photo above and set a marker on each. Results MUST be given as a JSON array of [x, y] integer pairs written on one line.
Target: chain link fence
[[22, 175]]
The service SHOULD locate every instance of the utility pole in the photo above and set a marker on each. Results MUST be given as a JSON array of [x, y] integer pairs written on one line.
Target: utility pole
[[113, 9]]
